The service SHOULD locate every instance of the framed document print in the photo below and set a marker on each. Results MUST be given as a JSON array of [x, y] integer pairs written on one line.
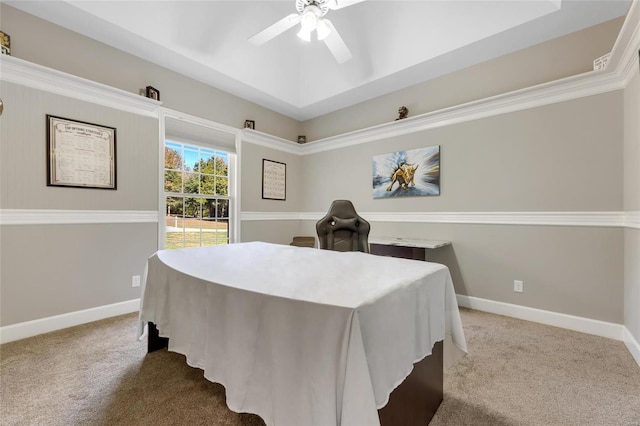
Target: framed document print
[[274, 180], [80, 154]]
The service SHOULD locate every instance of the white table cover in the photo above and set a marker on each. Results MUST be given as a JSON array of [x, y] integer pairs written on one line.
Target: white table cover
[[300, 336]]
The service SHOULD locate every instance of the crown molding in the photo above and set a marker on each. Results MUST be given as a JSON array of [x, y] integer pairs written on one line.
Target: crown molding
[[67, 217], [619, 71], [624, 55], [601, 219], [264, 139], [25, 73], [570, 88], [197, 121]]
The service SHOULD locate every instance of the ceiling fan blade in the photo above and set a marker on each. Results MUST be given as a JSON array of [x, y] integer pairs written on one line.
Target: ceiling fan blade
[[275, 30], [339, 4], [336, 45]]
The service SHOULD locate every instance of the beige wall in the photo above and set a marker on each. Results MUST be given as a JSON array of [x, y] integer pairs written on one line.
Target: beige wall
[[632, 204], [566, 56], [560, 157]]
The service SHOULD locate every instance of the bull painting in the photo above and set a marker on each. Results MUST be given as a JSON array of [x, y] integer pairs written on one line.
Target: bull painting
[[416, 173]]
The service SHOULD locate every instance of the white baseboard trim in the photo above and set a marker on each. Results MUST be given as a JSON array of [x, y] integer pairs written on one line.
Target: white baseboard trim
[[26, 329], [570, 322], [632, 345]]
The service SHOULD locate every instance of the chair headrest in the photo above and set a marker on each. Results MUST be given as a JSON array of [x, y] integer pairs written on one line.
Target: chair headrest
[[350, 224]]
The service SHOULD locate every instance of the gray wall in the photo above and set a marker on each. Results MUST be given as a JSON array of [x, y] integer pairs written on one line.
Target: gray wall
[[41, 42], [54, 269], [561, 157], [50, 270], [23, 161], [632, 204], [542, 159], [275, 231], [252, 156], [565, 56]]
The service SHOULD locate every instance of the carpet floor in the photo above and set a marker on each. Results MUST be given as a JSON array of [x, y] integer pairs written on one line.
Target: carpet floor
[[516, 373]]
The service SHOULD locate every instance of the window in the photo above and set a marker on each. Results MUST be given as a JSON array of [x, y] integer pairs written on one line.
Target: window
[[196, 189]]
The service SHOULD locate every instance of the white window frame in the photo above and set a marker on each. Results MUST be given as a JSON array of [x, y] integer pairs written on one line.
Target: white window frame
[[233, 169]]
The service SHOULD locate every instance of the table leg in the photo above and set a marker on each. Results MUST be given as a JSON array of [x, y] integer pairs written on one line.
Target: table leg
[[154, 341]]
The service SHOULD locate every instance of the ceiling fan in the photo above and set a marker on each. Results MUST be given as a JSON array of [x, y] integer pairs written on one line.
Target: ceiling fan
[[310, 16]]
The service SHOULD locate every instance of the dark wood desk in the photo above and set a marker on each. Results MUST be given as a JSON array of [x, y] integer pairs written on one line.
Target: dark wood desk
[[406, 248], [413, 402]]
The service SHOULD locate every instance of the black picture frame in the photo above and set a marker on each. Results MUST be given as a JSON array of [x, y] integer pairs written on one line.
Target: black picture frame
[[249, 124], [274, 180], [81, 154], [153, 93]]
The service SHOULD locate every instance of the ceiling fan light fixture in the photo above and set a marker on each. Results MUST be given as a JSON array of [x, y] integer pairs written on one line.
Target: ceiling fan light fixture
[[305, 34], [323, 29], [309, 18]]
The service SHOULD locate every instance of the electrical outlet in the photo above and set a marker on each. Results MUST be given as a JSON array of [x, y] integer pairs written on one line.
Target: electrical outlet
[[135, 281], [518, 286]]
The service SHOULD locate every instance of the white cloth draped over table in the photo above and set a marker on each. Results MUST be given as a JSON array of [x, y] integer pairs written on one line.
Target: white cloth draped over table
[[300, 336]]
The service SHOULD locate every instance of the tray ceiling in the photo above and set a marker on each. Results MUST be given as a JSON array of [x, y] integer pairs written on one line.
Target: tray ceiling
[[395, 44]]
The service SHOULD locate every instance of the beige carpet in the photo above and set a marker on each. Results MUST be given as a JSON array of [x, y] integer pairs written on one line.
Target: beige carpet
[[517, 373]]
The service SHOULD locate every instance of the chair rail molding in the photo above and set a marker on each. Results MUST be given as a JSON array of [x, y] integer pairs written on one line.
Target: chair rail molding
[[632, 219], [69, 217], [602, 219], [25, 73]]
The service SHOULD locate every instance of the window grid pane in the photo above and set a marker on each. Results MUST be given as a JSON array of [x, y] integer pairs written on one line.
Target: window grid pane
[[196, 185]]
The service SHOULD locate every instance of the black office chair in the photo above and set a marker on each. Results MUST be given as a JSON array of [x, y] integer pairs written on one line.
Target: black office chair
[[342, 229]]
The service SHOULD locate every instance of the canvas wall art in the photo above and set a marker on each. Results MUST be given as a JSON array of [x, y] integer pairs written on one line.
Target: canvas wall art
[[411, 173]]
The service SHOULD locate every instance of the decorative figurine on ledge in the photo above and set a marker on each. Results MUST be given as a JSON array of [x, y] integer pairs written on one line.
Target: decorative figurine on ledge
[[5, 43], [403, 112]]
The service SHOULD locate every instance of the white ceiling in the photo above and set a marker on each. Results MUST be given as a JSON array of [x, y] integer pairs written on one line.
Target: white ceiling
[[395, 44]]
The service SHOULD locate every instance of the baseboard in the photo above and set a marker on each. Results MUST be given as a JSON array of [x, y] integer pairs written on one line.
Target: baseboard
[[570, 322], [632, 345], [26, 329]]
